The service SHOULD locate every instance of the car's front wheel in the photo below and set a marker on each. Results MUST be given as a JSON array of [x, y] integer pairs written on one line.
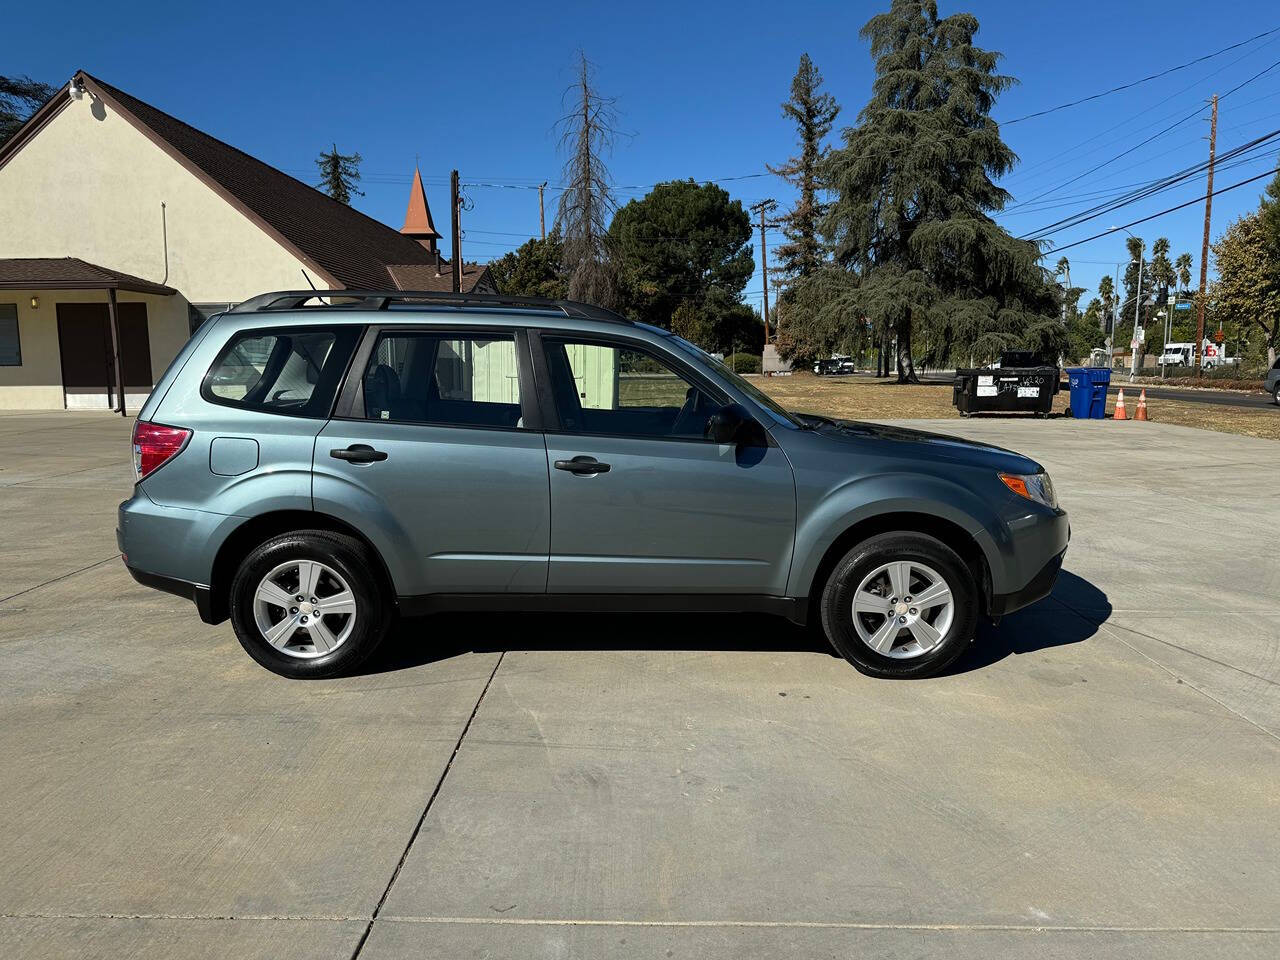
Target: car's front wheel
[[900, 605], [308, 604], [1276, 396]]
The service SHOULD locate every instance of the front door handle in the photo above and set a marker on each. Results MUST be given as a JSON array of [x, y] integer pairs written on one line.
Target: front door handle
[[583, 466], [358, 453]]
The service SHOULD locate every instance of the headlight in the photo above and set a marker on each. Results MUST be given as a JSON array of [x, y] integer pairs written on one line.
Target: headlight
[[1033, 486]]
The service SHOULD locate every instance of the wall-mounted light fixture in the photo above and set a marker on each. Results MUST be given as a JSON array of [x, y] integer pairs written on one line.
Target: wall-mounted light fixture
[[76, 88], [35, 303]]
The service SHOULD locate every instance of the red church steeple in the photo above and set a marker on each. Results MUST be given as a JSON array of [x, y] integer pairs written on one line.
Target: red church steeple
[[417, 219]]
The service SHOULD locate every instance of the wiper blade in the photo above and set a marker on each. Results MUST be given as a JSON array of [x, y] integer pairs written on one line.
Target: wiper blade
[[811, 421]]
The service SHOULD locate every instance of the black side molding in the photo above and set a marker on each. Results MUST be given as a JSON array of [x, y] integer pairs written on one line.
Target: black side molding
[[197, 593], [795, 609]]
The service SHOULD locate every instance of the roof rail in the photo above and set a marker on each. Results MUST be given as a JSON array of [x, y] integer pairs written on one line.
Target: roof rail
[[382, 299]]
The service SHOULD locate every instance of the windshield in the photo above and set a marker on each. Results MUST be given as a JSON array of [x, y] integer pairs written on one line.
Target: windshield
[[746, 386]]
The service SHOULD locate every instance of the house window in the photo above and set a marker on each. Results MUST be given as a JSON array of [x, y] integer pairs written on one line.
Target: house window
[[10, 345]]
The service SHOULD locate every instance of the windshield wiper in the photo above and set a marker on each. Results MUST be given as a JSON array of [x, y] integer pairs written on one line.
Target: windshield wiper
[[807, 421]]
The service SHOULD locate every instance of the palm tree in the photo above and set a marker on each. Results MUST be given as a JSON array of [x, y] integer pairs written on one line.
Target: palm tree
[[1163, 275], [1183, 266], [1107, 294], [1064, 270]]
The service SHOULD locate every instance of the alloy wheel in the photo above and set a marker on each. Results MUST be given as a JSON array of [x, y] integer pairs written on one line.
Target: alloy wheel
[[903, 609], [304, 609]]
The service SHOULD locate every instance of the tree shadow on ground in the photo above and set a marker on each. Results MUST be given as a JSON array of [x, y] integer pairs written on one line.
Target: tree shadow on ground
[[416, 641]]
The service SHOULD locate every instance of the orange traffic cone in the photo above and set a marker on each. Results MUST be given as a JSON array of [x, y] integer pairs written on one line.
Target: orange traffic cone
[[1120, 413], [1141, 412]]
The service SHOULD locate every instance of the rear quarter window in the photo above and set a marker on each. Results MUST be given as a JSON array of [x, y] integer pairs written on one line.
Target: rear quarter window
[[292, 370]]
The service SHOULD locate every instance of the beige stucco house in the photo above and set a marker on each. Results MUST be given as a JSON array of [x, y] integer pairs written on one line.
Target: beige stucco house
[[122, 228]]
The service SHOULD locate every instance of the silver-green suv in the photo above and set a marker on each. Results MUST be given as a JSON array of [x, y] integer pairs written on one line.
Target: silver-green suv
[[312, 465]]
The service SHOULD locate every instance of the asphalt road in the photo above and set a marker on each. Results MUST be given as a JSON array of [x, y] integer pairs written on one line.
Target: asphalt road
[[1223, 398], [1098, 777]]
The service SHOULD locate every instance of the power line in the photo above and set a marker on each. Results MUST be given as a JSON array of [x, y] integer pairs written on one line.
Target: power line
[[1125, 123], [1181, 206], [1143, 193], [1135, 83]]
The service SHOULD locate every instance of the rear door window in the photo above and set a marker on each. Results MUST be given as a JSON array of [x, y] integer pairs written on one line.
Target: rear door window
[[291, 371], [451, 379]]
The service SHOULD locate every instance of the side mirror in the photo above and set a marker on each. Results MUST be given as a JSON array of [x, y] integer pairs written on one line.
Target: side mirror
[[732, 424]]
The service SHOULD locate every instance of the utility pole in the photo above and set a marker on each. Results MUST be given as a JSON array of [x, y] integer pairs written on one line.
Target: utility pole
[[763, 207], [456, 239], [542, 217], [1204, 246]]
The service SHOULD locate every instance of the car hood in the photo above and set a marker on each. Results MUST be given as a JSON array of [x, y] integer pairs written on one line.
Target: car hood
[[920, 444]]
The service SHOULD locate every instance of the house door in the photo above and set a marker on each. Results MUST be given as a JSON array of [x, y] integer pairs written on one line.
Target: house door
[[84, 345]]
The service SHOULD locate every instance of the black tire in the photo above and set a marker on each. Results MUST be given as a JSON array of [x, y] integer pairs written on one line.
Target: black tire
[[1276, 395], [836, 604], [352, 561]]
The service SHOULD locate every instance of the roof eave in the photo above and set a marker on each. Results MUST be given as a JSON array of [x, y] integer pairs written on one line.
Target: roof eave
[[35, 123]]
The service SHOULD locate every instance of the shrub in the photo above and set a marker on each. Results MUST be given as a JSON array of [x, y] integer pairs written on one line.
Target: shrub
[[743, 362]]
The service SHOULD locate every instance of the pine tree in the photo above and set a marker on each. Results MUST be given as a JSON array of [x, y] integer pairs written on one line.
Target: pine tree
[[19, 98], [587, 200], [814, 113], [339, 174], [914, 197]]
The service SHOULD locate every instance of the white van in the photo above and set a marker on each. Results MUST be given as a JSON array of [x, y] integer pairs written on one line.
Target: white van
[[1183, 354]]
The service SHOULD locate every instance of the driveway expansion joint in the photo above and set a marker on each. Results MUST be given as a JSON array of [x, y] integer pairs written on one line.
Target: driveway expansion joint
[[404, 855]]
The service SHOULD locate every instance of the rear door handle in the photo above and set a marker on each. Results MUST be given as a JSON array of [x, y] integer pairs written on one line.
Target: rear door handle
[[358, 453], [582, 465]]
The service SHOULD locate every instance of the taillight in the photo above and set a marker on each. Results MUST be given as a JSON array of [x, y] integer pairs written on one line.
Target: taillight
[[154, 445]]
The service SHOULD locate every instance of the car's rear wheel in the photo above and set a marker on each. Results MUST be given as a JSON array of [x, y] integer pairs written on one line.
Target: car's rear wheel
[[1276, 396], [308, 604], [900, 605]]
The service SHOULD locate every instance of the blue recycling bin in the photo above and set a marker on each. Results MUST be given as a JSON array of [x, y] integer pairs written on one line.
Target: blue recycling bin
[[1089, 391]]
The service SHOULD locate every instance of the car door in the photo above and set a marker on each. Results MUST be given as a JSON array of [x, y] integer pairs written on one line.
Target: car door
[[437, 452], [640, 501]]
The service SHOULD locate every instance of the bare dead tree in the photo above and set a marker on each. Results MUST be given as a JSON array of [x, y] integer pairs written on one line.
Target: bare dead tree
[[586, 204]]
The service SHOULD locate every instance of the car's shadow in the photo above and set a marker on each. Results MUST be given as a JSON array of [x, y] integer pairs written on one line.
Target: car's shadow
[[416, 641], [1071, 614]]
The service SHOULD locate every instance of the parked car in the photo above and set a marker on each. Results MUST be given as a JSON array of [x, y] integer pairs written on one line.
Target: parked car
[[407, 453], [834, 366], [1272, 382]]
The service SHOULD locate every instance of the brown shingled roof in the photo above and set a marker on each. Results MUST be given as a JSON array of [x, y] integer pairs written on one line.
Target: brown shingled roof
[[343, 245], [417, 276], [70, 273]]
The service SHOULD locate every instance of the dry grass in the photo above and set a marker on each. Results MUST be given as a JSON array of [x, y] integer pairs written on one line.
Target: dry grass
[[860, 398]]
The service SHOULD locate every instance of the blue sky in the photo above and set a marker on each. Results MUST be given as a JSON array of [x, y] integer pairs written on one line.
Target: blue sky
[[697, 88]]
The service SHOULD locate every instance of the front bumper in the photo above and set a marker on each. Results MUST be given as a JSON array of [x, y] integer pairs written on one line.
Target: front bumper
[[1039, 587]]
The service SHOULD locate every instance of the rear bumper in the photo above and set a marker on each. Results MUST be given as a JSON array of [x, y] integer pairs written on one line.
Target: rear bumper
[[179, 541], [197, 593]]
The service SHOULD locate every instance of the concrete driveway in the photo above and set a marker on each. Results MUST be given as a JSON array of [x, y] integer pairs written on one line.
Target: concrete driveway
[[1099, 777]]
